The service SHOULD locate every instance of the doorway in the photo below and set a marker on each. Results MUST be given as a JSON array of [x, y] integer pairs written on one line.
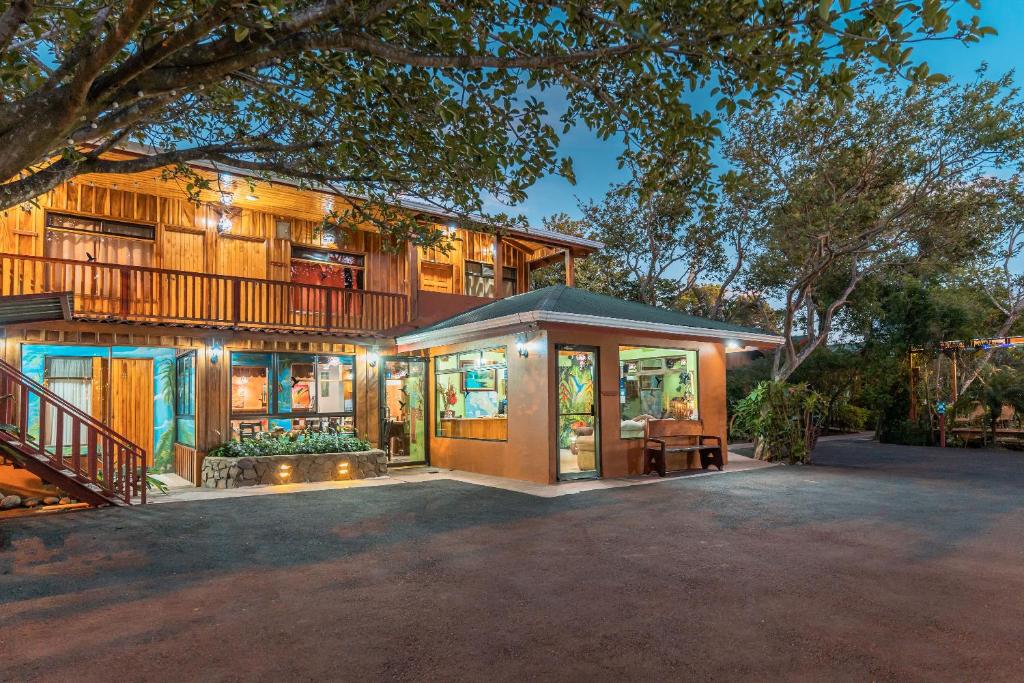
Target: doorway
[[131, 386], [403, 410], [577, 417]]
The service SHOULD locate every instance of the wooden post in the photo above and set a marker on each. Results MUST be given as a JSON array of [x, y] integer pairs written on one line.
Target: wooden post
[[499, 269], [913, 395], [414, 281], [954, 389], [570, 269]]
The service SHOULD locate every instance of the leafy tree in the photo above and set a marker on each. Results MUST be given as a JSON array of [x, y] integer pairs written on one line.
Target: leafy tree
[[661, 244], [387, 99], [865, 189], [594, 273]]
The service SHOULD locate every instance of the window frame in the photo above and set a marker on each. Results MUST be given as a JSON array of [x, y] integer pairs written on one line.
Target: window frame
[[193, 355], [669, 353], [509, 275], [105, 227], [273, 411], [461, 372]]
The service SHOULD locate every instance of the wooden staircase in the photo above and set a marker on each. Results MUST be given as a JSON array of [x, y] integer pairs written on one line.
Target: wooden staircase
[[65, 446]]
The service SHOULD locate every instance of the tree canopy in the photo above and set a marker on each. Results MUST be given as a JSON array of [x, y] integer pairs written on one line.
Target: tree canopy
[[441, 101], [858, 189]]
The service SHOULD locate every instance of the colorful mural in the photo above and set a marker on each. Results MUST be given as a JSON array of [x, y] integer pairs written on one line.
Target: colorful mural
[[575, 394], [33, 363]]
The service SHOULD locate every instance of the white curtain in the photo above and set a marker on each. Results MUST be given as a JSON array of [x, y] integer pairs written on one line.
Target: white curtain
[[103, 248], [77, 392], [69, 378]]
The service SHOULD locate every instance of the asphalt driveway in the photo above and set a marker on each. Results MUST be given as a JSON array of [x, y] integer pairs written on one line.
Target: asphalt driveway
[[877, 563]]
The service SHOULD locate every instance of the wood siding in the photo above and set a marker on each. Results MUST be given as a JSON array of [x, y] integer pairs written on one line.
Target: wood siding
[[131, 386]]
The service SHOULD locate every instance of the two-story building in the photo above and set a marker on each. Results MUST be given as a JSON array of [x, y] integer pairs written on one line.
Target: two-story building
[[188, 324]]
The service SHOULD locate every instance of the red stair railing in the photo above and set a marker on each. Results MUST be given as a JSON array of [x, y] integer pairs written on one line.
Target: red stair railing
[[74, 447]]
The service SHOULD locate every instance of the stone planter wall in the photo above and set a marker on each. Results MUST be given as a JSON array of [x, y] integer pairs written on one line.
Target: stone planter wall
[[232, 473]]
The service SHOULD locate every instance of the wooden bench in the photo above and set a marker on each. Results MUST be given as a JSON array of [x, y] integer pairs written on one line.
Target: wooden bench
[[662, 437]]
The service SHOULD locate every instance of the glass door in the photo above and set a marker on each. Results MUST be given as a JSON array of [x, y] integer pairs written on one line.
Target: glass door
[[403, 410], [577, 421]]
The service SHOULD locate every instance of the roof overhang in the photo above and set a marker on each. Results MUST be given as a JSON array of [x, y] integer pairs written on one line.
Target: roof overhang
[[496, 326], [34, 308], [581, 244]]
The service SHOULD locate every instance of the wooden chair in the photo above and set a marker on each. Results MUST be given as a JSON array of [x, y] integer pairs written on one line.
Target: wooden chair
[[662, 437]]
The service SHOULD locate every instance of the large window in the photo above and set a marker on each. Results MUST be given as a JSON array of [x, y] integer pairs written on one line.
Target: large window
[[328, 268], [656, 383], [96, 240], [185, 399], [283, 392], [480, 279], [472, 394]]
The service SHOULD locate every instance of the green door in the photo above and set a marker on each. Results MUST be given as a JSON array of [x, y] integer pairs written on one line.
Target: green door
[[577, 420], [403, 410]]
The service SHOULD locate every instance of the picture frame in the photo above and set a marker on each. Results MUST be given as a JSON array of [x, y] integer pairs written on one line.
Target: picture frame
[[478, 379]]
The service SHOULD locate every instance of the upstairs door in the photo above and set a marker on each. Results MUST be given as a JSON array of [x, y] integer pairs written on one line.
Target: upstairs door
[[577, 422], [131, 401]]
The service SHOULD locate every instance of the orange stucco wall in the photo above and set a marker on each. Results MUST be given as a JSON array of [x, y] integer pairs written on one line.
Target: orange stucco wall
[[529, 453], [525, 455], [621, 457]]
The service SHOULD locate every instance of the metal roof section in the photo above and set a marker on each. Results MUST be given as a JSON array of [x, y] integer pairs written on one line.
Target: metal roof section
[[571, 306], [33, 308]]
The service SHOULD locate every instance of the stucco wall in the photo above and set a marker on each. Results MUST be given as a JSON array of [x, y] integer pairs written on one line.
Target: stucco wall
[[621, 457], [529, 453], [525, 455]]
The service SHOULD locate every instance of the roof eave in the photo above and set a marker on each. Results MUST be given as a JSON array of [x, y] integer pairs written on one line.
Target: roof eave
[[426, 339]]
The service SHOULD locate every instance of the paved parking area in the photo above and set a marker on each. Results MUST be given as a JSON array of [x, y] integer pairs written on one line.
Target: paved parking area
[[878, 562]]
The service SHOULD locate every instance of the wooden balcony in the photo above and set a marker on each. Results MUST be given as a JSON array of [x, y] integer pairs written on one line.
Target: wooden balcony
[[116, 293]]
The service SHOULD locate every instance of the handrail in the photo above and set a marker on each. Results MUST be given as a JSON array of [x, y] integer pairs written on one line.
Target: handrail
[[104, 459], [106, 291], [167, 271]]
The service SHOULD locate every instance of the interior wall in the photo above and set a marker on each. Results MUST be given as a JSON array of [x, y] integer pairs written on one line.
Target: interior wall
[[525, 455]]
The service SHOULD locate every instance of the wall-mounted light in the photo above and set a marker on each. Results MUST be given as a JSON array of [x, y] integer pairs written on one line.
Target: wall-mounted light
[[451, 227], [732, 345], [215, 349], [224, 223], [523, 344], [372, 356]]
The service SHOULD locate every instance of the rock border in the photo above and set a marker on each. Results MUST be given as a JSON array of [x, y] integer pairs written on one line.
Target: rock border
[[232, 473]]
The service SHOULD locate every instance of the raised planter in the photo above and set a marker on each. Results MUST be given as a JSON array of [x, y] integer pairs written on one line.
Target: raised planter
[[233, 473]]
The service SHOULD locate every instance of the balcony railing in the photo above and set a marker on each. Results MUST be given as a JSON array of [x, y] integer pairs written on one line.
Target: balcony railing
[[111, 292]]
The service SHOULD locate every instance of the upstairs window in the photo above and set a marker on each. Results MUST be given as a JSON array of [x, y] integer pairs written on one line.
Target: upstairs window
[[480, 280], [97, 240], [328, 268]]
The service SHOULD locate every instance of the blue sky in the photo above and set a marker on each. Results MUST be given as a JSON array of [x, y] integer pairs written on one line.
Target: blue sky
[[595, 162]]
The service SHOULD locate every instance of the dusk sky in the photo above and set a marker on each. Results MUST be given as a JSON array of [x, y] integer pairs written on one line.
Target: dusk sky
[[595, 161]]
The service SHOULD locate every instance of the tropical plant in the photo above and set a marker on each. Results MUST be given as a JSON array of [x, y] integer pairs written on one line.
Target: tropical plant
[[783, 419], [994, 388], [288, 444]]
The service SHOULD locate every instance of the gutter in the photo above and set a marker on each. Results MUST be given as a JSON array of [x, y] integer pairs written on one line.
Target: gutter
[[420, 340]]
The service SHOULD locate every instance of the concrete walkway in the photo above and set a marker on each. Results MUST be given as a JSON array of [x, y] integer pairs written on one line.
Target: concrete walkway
[[181, 490]]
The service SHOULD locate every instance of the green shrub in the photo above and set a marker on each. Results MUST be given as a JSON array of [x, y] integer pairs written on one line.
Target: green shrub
[[306, 442], [782, 418], [848, 417]]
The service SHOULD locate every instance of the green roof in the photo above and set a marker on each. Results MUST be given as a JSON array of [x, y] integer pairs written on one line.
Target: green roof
[[563, 299]]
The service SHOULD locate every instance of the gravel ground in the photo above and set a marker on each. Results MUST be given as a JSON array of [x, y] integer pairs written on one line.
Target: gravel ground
[[876, 563]]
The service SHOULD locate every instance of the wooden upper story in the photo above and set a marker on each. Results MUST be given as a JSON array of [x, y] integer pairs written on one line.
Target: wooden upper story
[[251, 255]]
